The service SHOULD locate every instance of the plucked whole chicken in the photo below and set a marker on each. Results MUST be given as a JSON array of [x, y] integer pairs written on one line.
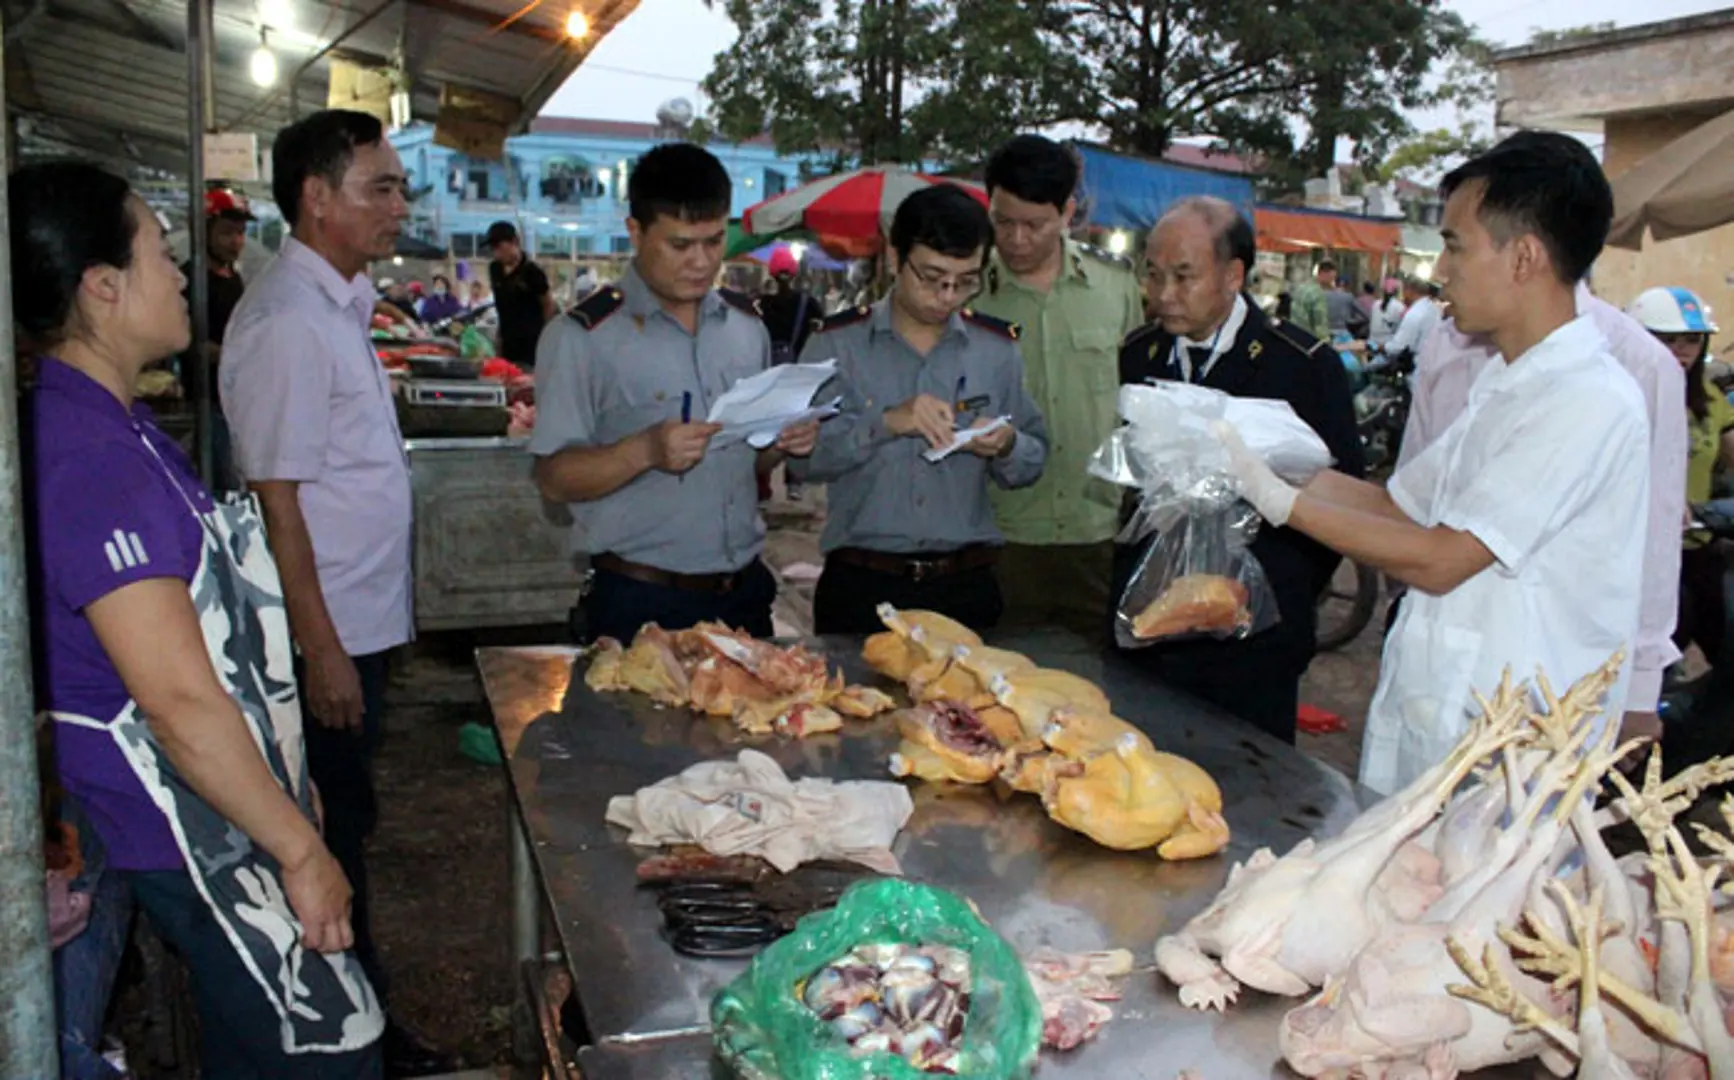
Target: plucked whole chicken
[[988, 714], [1477, 917], [720, 671]]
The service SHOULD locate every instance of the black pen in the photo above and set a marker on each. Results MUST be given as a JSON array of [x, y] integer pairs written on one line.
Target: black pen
[[685, 418]]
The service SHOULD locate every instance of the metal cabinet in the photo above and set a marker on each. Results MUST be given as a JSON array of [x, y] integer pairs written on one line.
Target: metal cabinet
[[488, 550]]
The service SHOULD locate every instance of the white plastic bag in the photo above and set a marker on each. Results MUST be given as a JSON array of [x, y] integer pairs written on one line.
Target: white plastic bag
[[1198, 576]]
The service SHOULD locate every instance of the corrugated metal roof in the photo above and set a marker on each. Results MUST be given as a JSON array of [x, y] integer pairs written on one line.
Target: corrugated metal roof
[[109, 77]]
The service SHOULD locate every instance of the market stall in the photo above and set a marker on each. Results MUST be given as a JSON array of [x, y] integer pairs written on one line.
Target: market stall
[[644, 1009]]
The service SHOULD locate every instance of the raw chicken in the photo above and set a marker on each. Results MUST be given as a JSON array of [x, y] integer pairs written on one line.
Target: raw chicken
[[1036, 695], [1133, 797], [1071, 988], [911, 639], [945, 741], [1195, 603]]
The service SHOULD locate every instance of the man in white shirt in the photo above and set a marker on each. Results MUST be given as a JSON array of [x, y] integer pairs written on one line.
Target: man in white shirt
[[1520, 529], [1419, 319], [1448, 365]]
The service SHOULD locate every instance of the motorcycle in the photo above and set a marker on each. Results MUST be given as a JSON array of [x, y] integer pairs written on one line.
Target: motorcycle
[[1698, 716]]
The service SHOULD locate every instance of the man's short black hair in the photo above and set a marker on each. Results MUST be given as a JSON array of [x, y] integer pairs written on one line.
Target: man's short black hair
[[1035, 169], [1325, 264], [502, 232], [320, 145], [944, 218], [1547, 184], [1232, 236], [679, 180]]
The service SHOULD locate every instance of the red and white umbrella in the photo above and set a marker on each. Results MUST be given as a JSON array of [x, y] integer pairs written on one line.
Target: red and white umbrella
[[857, 204]]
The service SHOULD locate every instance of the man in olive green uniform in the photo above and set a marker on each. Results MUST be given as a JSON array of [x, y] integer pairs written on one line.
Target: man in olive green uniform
[[1075, 304]]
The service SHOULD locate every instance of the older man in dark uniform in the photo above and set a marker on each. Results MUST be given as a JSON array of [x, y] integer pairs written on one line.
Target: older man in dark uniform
[[1210, 332]]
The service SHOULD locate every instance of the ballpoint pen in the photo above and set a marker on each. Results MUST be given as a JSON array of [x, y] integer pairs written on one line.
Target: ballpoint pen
[[685, 418]]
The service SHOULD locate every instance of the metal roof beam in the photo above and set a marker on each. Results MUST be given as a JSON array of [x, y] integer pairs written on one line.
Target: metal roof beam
[[457, 9]]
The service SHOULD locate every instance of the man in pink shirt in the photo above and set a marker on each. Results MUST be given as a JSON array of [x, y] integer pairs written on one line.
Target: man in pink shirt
[[1445, 370], [316, 437]]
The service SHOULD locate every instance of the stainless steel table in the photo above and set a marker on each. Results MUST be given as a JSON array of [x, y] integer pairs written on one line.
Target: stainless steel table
[[569, 750]]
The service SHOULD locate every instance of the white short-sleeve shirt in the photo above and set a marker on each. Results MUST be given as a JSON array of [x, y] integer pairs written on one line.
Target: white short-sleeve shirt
[[1549, 468]]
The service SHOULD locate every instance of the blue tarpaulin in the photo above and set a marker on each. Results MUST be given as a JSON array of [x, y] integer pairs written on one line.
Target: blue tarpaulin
[[1122, 192]]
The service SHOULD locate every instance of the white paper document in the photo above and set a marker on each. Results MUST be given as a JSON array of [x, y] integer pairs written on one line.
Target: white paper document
[[757, 408], [964, 437]]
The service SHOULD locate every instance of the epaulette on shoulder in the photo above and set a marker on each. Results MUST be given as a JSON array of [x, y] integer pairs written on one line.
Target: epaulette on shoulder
[[1103, 255], [1002, 327], [740, 301], [591, 311], [1142, 333], [849, 316], [1294, 335]]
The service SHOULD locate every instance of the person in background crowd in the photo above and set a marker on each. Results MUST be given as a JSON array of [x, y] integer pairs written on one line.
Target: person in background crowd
[[790, 313], [522, 295], [440, 303], [1419, 318], [1682, 324], [1312, 311], [479, 295], [318, 439], [395, 294], [1520, 528], [226, 218], [1209, 332], [1074, 304], [162, 656], [671, 524], [913, 369], [1346, 316], [1369, 298], [1386, 315]]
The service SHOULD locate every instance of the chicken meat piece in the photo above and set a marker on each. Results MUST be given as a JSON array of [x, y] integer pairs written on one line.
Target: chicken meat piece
[[945, 741], [1286, 925], [954, 678], [719, 687], [862, 702], [1134, 797], [807, 718], [650, 667], [1037, 694], [784, 670], [1194, 604], [912, 638], [1071, 988], [603, 674]]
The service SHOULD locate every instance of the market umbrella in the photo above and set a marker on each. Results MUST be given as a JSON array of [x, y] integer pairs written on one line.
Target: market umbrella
[[856, 204], [1685, 187], [814, 258]]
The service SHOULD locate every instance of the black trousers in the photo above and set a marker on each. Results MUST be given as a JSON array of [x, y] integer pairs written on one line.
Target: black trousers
[[617, 606], [1703, 606], [847, 596], [340, 761]]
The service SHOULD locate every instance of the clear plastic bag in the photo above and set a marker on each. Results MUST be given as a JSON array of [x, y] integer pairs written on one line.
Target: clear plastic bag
[[763, 1030], [1198, 576]]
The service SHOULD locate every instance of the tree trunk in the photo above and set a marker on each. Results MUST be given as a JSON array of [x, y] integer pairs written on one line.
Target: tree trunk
[[899, 27]]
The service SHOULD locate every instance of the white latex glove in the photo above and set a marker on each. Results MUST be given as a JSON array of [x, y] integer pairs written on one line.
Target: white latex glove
[[1271, 495]]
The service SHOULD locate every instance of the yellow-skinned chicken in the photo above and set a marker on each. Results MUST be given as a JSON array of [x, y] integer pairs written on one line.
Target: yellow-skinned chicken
[[912, 639], [1132, 796]]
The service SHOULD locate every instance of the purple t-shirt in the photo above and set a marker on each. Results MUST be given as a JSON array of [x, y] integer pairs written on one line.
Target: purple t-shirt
[[105, 515]]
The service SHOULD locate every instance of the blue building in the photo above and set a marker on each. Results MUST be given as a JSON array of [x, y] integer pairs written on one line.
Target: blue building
[[564, 184]]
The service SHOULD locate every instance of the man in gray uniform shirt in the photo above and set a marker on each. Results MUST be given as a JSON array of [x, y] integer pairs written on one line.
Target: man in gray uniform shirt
[[622, 388], [913, 369]]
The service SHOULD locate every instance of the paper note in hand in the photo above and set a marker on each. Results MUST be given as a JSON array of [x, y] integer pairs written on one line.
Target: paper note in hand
[[760, 406], [964, 437]]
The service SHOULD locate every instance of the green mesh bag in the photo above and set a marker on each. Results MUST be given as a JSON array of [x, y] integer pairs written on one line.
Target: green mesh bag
[[474, 345], [763, 1031]]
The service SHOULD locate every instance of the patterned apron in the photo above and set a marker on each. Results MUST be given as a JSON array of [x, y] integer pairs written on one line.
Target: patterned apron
[[324, 1000]]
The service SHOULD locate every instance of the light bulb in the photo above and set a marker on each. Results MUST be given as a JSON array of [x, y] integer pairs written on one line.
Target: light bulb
[[577, 25], [798, 250], [1118, 242], [263, 67]]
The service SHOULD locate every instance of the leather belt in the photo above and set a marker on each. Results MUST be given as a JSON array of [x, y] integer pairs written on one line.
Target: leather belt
[[652, 575], [919, 567]]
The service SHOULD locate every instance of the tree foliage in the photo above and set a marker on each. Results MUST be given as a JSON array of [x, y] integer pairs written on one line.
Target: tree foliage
[[898, 80]]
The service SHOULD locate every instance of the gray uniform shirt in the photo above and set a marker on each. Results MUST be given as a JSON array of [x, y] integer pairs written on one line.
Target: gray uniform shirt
[[883, 495], [627, 370]]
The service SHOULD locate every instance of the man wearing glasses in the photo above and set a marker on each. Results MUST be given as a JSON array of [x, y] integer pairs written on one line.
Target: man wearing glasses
[[1075, 304], [917, 372]]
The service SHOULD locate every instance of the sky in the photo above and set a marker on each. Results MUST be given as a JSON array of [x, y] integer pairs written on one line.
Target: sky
[[665, 48]]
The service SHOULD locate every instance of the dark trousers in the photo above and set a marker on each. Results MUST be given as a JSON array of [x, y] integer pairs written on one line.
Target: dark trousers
[[616, 605], [240, 1033], [847, 595], [340, 761], [1269, 701], [1703, 602]]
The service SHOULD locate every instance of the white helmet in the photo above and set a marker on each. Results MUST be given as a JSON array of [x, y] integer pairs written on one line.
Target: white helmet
[[1672, 310]]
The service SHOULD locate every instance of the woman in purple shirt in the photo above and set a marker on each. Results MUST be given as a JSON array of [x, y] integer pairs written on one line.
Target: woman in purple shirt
[[164, 651]]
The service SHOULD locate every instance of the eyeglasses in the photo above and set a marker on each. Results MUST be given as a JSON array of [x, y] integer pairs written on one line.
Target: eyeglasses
[[963, 286]]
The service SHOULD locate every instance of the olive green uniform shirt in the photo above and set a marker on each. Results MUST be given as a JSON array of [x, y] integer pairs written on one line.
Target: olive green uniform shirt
[[1071, 348]]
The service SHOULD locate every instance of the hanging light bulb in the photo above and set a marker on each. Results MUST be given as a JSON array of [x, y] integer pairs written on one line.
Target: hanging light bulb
[[577, 25], [263, 65]]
